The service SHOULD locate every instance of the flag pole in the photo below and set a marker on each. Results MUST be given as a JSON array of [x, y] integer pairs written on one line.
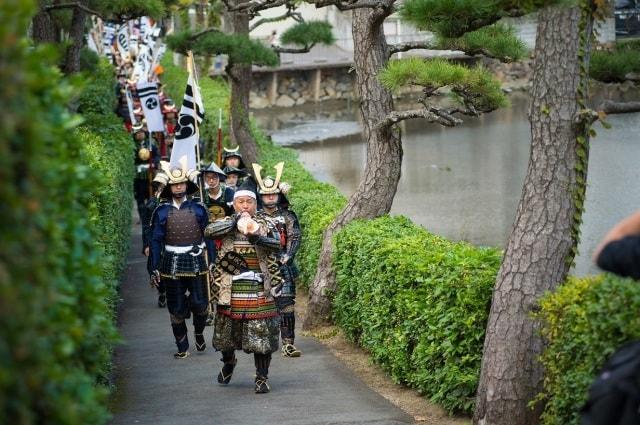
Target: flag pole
[[219, 158], [192, 71]]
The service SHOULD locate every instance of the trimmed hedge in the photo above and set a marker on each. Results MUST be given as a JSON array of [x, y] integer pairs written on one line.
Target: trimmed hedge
[[418, 303], [56, 200], [584, 322]]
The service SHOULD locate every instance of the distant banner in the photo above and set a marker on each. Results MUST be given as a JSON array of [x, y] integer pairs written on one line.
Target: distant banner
[[122, 41], [143, 63], [148, 94], [189, 119], [132, 116]]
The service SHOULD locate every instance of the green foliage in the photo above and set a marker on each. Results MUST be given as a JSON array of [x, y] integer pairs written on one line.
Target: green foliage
[[476, 85], [583, 322], [613, 66], [453, 18], [89, 60], [56, 324], [239, 48], [418, 303], [135, 8], [498, 40], [100, 97], [307, 33]]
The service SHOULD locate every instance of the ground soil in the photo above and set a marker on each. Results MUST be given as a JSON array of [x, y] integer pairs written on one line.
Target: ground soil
[[355, 358]]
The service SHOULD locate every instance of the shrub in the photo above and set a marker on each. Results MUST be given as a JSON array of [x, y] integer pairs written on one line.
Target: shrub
[[613, 66], [54, 320], [418, 303], [583, 322]]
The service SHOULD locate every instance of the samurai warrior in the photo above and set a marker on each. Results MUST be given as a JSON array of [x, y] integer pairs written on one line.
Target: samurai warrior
[[218, 198], [276, 207], [245, 276], [146, 160], [179, 256], [150, 206]]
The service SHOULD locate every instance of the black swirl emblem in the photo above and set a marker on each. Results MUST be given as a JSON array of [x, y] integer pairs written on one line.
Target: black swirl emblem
[[186, 127], [151, 103]]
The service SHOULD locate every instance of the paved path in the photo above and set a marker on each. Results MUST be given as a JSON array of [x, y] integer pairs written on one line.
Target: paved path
[[154, 388]]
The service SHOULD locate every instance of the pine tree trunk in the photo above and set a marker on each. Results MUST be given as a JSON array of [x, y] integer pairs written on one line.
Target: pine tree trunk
[[42, 28], [376, 190], [76, 35], [542, 240], [240, 77]]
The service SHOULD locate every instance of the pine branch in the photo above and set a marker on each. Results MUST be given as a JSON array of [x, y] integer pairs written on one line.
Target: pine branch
[[199, 34], [305, 49], [611, 107], [254, 6], [432, 114], [74, 6], [411, 45], [290, 13], [350, 5]]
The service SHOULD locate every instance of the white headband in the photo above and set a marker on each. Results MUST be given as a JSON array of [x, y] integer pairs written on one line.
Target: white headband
[[243, 192]]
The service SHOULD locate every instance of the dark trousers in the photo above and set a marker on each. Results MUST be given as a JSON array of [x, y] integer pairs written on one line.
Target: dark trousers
[[287, 318], [181, 304]]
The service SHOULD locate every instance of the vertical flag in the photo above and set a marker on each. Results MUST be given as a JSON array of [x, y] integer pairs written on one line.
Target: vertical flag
[[132, 116], [189, 120], [122, 41], [148, 93]]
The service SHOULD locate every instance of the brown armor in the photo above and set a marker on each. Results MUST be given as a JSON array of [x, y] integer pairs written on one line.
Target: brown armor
[[182, 228]]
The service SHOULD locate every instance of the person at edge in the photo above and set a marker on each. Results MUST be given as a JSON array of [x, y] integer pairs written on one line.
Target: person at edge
[[246, 274], [178, 256], [276, 206], [619, 250], [150, 206]]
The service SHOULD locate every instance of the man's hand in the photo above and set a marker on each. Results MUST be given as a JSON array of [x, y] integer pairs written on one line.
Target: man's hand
[[155, 279], [284, 259], [145, 251]]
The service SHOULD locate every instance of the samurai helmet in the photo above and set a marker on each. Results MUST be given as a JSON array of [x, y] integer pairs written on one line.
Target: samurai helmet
[[228, 153], [174, 175], [213, 168], [268, 185]]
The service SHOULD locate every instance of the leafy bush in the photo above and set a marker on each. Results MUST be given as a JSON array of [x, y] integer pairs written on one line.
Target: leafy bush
[[418, 303], [613, 66], [55, 322], [583, 323]]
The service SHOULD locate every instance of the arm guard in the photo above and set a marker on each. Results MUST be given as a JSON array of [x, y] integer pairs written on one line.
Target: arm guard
[[219, 228], [293, 234], [266, 242]]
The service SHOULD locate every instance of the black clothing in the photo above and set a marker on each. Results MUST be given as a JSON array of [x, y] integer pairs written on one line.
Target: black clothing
[[622, 257]]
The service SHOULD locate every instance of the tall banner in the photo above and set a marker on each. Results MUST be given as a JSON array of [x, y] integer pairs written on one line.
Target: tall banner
[[143, 63], [122, 41], [189, 120], [132, 116], [148, 94]]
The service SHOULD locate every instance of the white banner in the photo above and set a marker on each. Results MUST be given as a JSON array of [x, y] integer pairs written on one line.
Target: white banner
[[132, 116], [143, 63], [189, 120], [148, 94], [122, 41]]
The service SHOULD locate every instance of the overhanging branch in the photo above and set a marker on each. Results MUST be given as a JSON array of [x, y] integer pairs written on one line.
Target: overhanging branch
[[73, 6], [305, 49], [611, 107], [296, 16], [254, 6], [431, 114], [411, 45], [350, 5], [203, 32]]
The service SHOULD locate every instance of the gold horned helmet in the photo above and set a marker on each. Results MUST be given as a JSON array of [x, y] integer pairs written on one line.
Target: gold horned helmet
[[175, 175], [268, 185]]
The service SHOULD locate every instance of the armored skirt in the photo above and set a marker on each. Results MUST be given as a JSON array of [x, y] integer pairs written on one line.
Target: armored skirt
[[251, 322]]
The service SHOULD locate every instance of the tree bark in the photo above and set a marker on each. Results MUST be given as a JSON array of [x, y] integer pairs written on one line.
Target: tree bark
[[240, 77], [376, 190], [76, 35], [42, 28], [541, 244]]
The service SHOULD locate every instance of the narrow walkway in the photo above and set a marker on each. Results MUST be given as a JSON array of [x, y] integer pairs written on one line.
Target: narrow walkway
[[154, 388]]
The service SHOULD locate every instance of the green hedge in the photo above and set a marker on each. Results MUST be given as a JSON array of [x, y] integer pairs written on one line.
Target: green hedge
[[62, 188], [583, 322], [418, 303]]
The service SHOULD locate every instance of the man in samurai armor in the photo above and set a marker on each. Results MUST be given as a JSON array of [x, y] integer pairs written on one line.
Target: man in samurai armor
[[146, 160], [245, 277], [235, 176], [276, 207], [232, 158], [218, 198], [179, 256]]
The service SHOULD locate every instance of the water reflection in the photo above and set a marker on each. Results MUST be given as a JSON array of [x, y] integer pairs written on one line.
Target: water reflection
[[464, 183]]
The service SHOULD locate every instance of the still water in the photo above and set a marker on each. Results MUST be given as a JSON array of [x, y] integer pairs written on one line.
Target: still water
[[464, 183]]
